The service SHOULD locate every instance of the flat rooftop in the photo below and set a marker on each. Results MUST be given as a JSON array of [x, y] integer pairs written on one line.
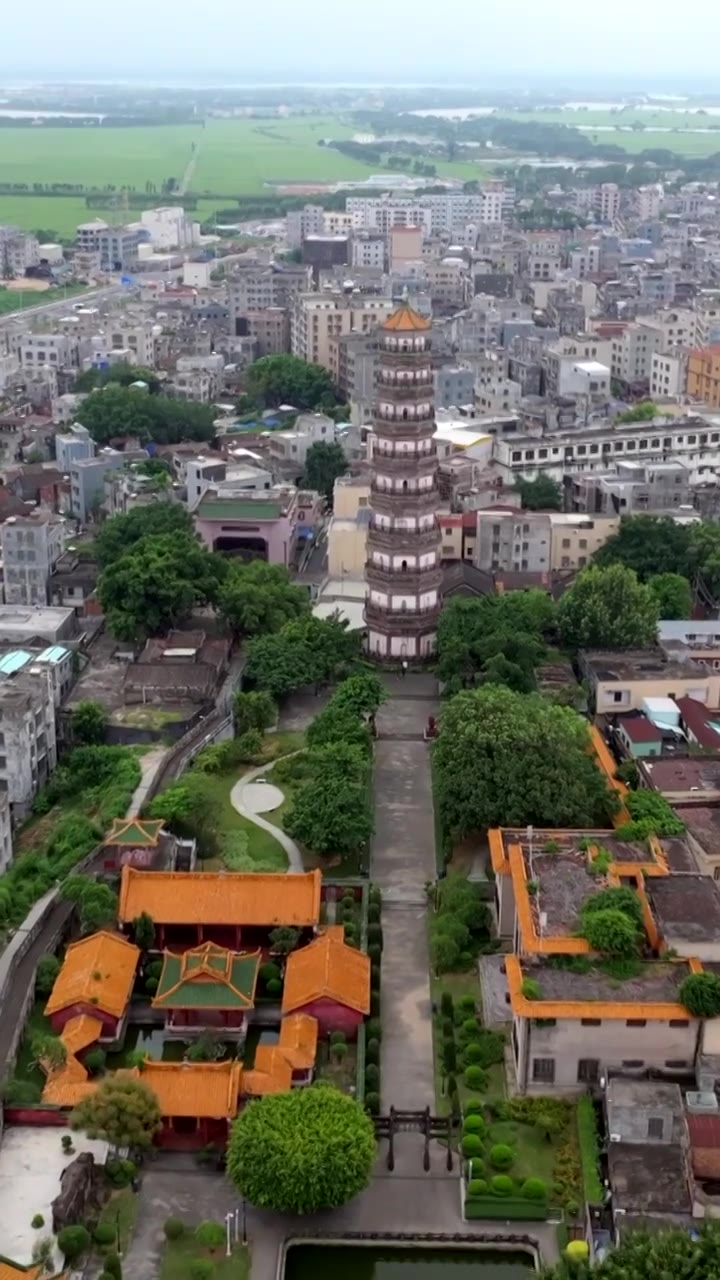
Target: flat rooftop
[[649, 1178], [702, 822], [658, 983], [622, 1092], [640, 664], [562, 876], [685, 906], [681, 774]]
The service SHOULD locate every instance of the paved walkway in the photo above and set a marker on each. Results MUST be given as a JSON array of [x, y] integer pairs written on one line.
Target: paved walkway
[[403, 860], [237, 800]]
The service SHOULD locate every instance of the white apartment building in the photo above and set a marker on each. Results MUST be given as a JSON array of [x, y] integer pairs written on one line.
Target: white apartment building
[[55, 349], [72, 445], [317, 318], [437, 214], [6, 847], [649, 202], [30, 547], [18, 251], [301, 223], [679, 328], [170, 227], [606, 201], [87, 235], [368, 250], [668, 374], [28, 750], [139, 340], [695, 441], [632, 352], [562, 358]]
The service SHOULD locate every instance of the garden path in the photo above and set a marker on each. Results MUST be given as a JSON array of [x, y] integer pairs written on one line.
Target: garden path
[[237, 800]]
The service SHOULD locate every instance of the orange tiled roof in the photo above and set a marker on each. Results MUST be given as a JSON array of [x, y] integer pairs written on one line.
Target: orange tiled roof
[[220, 897], [66, 1086], [298, 1040], [327, 967], [406, 319], [16, 1271], [201, 1089], [137, 832], [272, 1072], [98, 970]]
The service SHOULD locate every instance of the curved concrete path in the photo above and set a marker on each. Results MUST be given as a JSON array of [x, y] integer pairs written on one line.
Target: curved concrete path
[[294, 856]]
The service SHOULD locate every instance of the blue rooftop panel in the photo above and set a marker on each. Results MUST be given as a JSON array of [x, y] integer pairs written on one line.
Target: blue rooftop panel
[[14, 661]]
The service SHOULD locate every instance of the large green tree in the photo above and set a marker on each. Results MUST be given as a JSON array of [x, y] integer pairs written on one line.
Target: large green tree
[[324, 463], [303, 1151], [608, 609], [505, 759], [331, 813], [88, 723], [117, 411], [123, 1111], [674, 1254], [704, 554], [648, 544], [541, 494], [673, 595], [115, 538], [157, 584], [306, 651], [255, 598], [477, 638], [283, 379]]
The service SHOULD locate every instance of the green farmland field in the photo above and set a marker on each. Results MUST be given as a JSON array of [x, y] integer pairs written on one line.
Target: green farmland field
[[668, 130]]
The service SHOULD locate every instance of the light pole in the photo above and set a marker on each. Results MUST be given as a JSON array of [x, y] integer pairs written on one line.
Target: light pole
[[228, 1220]]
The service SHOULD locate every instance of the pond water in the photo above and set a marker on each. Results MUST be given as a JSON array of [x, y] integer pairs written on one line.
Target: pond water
[[314, 1262]]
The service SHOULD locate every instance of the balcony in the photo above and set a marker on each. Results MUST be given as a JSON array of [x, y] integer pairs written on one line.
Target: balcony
[[409, 581], [399, 540], [396, 502], [408, 622]]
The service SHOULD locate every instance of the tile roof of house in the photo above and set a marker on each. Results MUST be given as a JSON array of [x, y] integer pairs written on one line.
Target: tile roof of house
[[406, 319], [33, 1271], [135, 831], [700, 721], [272, 1072], [199, 1089], [329, 968], [208, 977], [97, 970], [704, 1133], [220, 897], [298, 1040], [640, 729], [68, 1084]]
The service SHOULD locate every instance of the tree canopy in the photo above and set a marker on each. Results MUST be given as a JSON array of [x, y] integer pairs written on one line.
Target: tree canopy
[[118, 411], [331, 812], [256, 597], [119, 534], [673, 595], [122, 373], [493, 639], [504, 759], [88, 723], [123, 1111], [157, 584], [675, 1254], [323, 464], [306, 651], [608, 609], [541, 494], [283, 379], [648, 544], [302, 1151]]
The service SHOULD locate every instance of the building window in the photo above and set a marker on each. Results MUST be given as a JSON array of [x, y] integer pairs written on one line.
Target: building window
[[617, 695], [636, 1022], [677, 1064], [679, 1022], [591, 1022], [656, 1127], [633, 1062], [543, 1069], [588, 1070]]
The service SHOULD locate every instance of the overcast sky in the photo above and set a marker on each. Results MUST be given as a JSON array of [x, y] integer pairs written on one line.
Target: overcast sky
[[400, 40]]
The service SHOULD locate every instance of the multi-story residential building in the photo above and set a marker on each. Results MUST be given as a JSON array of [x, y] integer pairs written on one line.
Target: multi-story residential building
[[317, 318], [87, 481], [18, 251], [632, 352], [669, 374], [54, 349], [291, 447], [632, 488], [31, 546], [449, 282], [575, 538], [437, 214], [562, 358], [73, 446], [262, 525], [119, 248], [606, 201], [270, 328], [169, 227], [405, 245], [620, 682], [300, 223], [255, 288], [6, 845], [368, 249], [87, 236], [138, 341], [703, 375], [353, 359], [454, 385], [403, 571], [538, 541], [28, 751]]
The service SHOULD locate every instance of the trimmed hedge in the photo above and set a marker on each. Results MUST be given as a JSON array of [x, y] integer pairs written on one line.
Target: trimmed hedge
[[589, 1150], [505, 1207]]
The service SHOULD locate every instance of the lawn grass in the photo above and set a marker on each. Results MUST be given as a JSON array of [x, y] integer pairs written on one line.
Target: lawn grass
[[26, 1068], [179, 1256], [27, 299], [120, 1212], [534, 1155], [340, 1074]]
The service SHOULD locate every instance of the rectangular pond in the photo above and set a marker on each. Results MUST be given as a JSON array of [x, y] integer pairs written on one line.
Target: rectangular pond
[[386, 1262]]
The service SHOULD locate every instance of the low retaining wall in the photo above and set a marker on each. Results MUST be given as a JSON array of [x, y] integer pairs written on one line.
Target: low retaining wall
[[37, 1116]]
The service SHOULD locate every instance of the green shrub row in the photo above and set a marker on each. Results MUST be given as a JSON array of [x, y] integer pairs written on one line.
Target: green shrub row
[[589, 1150], [505, 1207]]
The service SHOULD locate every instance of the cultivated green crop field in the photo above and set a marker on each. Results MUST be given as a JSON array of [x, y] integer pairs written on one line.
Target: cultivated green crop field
[[232, 157], [670, 130]]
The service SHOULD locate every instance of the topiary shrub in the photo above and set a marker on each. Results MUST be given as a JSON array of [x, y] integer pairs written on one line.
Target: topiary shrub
[[73, 1242], [203, 1268], [104, 1233], [151, 986], [476, 1187], [174, 1228], [374, 951], [476, 1169], [373, 1029], [467, 1004], [501, 1156], [475, 1077], [501, 1185], [473, 1107], [95, 1061], [472, 1054], [372, 1074], [577, 1251], [372, 1103], [113, 1266], [338, 1037], [268, 971], [375, 976], [37, 1222], [469, 1029], [471, 1145], [533, 1189], [474, 1124], [446, 1004], [373, 913], [700, 993], [372, 1051], [375, 934], [375, 1004], [273, 987]]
